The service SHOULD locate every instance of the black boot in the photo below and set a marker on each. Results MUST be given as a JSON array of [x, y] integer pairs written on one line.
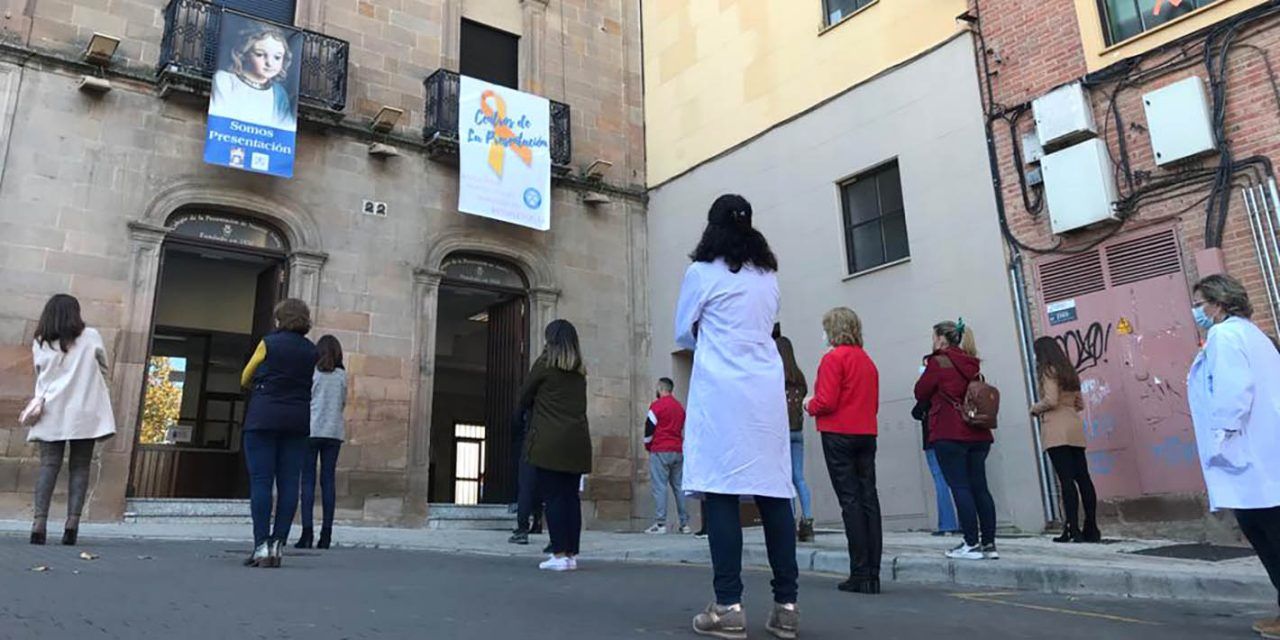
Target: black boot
[[1091, 533], [326, 534], [869, 586], [1069, 534], [305, 541], [519, 537], [804, 532]]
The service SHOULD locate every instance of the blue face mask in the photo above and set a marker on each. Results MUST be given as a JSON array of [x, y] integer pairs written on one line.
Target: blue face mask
[[1202, 319]]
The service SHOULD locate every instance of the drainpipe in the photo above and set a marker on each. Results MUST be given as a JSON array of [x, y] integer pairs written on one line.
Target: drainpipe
[[1017, 279]]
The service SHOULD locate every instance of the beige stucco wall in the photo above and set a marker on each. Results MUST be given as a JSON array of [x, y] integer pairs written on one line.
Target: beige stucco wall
[[720, 71]]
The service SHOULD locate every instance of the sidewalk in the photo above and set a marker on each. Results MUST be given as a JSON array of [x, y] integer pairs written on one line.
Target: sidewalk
[[1031, 563]]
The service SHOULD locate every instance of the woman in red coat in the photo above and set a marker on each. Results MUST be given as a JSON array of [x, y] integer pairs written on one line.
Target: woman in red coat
[[845, 401], [962, 449]]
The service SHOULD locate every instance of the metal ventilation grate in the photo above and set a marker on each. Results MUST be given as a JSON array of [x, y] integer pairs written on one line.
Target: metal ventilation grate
[[1142, 258], [1071, 277]]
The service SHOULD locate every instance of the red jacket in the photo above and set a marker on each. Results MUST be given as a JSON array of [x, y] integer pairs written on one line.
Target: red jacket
[[846, 395], [664, 426], [943, 385]]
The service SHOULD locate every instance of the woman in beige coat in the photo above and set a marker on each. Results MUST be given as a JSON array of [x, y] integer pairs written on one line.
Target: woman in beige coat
[[1062, 435], [71, 365]]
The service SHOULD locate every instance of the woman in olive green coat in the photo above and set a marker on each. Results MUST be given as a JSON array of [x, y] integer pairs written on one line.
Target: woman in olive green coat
[[558, 443]]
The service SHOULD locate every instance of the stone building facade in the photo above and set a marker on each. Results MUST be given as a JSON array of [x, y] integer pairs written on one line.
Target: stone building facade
[[94, 187]]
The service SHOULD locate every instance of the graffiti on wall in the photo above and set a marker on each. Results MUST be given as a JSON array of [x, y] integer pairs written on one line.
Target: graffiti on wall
[[1086, 348]]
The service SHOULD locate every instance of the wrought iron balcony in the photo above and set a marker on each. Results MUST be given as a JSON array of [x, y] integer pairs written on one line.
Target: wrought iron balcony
[[189, 56], [441, 130]]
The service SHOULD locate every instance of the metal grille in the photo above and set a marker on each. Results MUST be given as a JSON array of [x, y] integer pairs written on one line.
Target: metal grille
[[1141, 258], [1071, 277], [442, 117], [189, 48]]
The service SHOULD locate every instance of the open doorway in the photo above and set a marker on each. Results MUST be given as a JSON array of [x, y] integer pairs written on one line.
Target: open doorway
[[481, 358], [213, 303]]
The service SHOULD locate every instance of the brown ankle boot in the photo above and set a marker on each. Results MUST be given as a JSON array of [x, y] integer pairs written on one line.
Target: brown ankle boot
[[805, 531]]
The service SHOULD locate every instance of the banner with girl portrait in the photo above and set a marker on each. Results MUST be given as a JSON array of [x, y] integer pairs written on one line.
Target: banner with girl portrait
[[253, 106]]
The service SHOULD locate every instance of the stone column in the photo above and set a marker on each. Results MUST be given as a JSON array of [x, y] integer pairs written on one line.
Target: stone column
[[533, 45], [304, 277], [426, 296], [128, 372], [543, 312], [451, 39]]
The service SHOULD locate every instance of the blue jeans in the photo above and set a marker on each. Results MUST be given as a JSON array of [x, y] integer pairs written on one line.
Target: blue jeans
[[946, 509], [797, 474], [666, 469], [724, 533], [965, 466], [273, 458], [326, 449]]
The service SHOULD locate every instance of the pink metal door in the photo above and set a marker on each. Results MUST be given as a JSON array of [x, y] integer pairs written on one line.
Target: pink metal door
[[1122, 313]]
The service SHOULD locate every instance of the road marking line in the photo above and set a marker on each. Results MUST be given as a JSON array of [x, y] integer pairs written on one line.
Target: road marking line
[[992, 598]]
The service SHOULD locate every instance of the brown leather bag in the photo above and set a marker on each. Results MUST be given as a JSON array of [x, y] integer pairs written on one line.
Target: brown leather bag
[[981, 405]]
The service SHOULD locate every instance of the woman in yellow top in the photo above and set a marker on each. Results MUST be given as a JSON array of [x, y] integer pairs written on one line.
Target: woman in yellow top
[[277, 426], [1062, 435]]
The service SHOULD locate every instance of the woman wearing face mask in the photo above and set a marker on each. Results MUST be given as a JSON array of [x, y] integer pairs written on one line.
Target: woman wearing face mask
[[1234, 392]]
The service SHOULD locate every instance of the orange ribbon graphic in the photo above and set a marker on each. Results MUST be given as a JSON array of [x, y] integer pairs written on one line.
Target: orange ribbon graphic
[[497, 114]]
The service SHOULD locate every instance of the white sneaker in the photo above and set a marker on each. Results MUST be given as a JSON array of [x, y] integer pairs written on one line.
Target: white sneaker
[[686, 530], [965, 552], [573, 563], [557, 564], [657, 529]]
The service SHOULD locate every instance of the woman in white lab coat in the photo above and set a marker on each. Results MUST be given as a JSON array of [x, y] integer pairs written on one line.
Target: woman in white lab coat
[[1234, 392], [737, 430]]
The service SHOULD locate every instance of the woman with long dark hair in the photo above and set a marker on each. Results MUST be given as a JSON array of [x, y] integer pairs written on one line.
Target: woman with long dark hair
[[558, 441], [328, 401], [737, 430], [276, 427], [71, 408], [1062, 436]]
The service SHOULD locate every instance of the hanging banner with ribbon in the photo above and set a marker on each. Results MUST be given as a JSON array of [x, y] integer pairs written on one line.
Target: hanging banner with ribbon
[[504, 154]]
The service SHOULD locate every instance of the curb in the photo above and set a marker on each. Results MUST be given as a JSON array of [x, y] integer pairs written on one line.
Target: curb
[[905, 568]]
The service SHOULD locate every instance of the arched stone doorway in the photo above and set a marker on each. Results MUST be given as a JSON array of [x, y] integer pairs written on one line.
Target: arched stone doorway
[[481, 356], [220, 275]]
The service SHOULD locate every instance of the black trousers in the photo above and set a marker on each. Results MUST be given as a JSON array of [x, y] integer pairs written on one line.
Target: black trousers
[[851, 461], [564, 509], [1072, 468], [1262, 528], [528, 501]]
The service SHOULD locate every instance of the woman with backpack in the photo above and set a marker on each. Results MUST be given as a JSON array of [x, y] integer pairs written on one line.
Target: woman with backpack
[[71, 408], [961, 447], [1062, 436], [328, 401]]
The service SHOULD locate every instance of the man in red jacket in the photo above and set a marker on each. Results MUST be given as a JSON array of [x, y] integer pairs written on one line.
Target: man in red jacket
[[664, 440]]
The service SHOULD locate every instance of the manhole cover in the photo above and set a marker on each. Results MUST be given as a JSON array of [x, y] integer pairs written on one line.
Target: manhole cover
[[1198, 551]]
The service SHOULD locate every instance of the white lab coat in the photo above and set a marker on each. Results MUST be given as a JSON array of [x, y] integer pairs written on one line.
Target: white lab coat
[[1234, 392], [736, 428], [77, 404]]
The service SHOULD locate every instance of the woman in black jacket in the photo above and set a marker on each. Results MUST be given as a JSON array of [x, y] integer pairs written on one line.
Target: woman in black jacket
[[558, 442]]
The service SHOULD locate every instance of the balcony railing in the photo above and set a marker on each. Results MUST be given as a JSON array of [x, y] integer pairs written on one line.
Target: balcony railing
[[189, 56], [441, 130]]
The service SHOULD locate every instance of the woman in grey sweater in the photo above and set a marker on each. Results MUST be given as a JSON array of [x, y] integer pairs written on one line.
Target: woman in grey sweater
[[328, 400]]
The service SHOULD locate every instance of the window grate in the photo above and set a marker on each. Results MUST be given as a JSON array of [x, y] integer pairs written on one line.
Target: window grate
[[1143, 258], [1070, 277]]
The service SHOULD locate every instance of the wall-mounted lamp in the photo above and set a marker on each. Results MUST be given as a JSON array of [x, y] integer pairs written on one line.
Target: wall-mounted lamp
[[595, 199], [94, 84], [383, 150], [101, 49], [596, 170], [386, 119]]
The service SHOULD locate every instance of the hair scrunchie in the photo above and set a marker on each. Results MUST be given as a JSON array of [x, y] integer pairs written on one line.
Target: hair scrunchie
[[960, 327]]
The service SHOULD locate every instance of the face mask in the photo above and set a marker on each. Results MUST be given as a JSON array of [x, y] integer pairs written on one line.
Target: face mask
[[1202, 319], [826, 341]]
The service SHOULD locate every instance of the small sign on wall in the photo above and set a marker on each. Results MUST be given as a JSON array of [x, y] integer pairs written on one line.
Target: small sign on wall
[[374, 208], [1061, 312]]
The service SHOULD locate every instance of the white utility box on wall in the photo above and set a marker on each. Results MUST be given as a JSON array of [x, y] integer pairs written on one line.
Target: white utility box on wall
[[1079, 186], [1179, 120], [1063, 116]]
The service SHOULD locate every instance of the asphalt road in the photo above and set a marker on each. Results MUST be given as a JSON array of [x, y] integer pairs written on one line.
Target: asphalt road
[[140, 590]]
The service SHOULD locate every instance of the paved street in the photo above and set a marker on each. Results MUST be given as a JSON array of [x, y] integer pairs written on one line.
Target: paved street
[[168, 590]]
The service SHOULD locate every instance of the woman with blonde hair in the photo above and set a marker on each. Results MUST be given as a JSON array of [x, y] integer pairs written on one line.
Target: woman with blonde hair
[[845, 403], [962, 448], [558, 441]]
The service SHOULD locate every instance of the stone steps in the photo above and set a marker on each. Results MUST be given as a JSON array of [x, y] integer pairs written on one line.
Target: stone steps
[[184, 510], [481, 517]]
